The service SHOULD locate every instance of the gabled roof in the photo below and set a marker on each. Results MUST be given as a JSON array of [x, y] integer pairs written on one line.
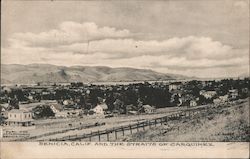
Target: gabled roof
[[18, 111], [57, 106], [103, 105], [148, 107]]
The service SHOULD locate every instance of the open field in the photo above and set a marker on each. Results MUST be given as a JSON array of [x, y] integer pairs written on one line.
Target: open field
[[225, 124], [45, 126], [55, 128]]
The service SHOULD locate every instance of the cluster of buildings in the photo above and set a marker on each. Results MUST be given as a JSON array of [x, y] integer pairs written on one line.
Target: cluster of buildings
[[184, 93], [209, 96]]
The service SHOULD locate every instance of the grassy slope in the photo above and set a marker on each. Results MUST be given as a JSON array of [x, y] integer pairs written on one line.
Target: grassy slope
[[227, 124], [43, 73]]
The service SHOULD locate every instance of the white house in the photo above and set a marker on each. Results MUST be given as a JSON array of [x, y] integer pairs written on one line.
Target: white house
[[19, 117], [68, 102], [220, 100], [62, 114], [224, 98], [56, 107], [100, 109], [208, 94], [175, 86], [193, 103], [148, 109], [233, 93], [3, 112], [30, 97]]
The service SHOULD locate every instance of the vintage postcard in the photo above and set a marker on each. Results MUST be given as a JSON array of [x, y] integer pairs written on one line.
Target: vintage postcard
[[124, 79]]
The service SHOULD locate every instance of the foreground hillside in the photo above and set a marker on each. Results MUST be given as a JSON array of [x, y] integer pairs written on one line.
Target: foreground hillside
[[34, 73], [226, 124]]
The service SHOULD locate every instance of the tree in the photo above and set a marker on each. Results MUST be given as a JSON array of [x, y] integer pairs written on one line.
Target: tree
[[43, 112], [82, 101], [110, 101], [176, 100], [14, 104], [119, 105]]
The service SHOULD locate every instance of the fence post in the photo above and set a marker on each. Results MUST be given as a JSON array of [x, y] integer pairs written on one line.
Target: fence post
[[149, 123], [115, 134], [137, 127], [90, 136], [143, 125], [107, 135], [161, 121], [122, 131], [99, 136], [130, 129], [155, 122], [82, 137]]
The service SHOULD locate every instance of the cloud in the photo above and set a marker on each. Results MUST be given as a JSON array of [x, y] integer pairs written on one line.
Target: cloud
[[69, 33], [189, 47], [87, 44], [241, 4]]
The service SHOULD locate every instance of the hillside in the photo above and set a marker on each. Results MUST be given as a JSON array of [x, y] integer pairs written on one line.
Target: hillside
[[224, 124], [33, 73]]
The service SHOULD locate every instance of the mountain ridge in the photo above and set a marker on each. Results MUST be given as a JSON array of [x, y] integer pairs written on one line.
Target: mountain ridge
[[34, 73]]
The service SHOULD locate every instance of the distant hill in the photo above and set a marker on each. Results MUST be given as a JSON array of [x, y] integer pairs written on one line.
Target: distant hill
[[33, 73]]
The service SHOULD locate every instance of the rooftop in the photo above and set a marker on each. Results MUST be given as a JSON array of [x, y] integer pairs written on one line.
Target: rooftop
[[18, 111]]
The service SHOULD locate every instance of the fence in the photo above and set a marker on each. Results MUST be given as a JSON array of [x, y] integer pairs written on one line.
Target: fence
[[59, 132], [108, 134]]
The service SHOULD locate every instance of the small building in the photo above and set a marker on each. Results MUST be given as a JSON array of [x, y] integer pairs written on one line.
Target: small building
[[68, 102], [17, 117], [2, 109], [56, 107], [223, 98], [6, 89], [69, 113], [220, 100], [233, 93], [100, 109], [62, 114], [3, 114], [208, 94], [193, 103], [130, 107], [148, 109], [75, 113], [244, 90], [30, 97], [132, 112], [174, 86], [49, 101]]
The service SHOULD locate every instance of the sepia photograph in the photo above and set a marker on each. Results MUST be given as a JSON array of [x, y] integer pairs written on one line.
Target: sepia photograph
[[127, 71]]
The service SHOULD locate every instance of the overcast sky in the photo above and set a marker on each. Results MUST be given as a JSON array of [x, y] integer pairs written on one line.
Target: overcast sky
[[208, 38]]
